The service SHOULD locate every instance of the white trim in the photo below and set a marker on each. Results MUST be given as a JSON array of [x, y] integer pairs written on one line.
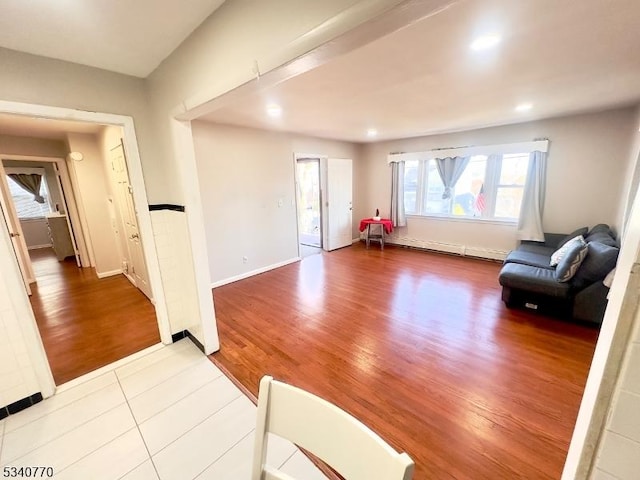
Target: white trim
[[26, 170], [34, 342], [110, 273], [445, 218], [79, 232], [258, 271], [188, 176], [507, 148]]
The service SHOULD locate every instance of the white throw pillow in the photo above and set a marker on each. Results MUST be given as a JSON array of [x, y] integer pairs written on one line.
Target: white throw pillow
[[562, 251]]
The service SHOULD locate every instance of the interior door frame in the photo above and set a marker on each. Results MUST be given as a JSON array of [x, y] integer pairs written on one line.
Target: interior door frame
[[321, 159], [74, 219], [23, 307]]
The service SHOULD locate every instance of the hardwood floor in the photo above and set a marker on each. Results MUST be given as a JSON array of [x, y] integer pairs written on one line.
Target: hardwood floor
[[420, 348], [86, 322]]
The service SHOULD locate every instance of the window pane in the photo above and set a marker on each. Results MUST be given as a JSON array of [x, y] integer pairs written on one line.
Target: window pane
[[26, 206], [433, 202], [514, 169], [508, 202], [410, 186], [467, 190]]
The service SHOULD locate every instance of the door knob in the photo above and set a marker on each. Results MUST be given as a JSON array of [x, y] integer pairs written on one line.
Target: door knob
[[135, 235], [14, 234]]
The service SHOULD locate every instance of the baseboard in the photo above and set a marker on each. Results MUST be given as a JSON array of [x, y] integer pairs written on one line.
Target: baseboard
[[36, 247], [490, 253], [258, 271], [109, 274], [20, 405], [452, 248]]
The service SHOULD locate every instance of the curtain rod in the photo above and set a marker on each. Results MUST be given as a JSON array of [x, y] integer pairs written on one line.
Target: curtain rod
[[540, 139]]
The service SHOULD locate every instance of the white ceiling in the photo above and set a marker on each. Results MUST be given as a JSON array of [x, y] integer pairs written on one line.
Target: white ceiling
[[562, 56], [22, 126], [125, 36]]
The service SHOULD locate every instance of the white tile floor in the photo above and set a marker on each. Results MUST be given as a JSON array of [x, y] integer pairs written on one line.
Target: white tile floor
[[167, 413]]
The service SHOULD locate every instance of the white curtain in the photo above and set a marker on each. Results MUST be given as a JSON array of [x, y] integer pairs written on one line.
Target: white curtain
[[530, 221], [398, 216], [450, 170]]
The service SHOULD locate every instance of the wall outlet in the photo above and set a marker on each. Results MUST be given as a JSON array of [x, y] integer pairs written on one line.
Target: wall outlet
[[245, 259]]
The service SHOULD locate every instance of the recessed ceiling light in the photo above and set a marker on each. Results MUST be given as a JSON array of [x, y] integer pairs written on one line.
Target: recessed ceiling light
[[274, 110], [524, 107], [372, 132], [485, 42]]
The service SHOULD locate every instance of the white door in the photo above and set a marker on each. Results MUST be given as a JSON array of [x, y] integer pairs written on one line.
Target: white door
[[339, 203], [135, 268]]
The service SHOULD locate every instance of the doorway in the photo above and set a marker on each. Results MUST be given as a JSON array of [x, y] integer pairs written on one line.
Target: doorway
[[309, 205], [75, 304], [89, 318]]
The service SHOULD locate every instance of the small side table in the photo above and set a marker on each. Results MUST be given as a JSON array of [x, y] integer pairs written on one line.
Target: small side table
[[386, 226]]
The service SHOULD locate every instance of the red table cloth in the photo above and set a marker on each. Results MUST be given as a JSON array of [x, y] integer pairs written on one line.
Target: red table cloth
[[385, 222]]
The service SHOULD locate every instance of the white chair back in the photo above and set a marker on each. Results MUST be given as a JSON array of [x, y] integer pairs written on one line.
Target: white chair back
[[326, 431]]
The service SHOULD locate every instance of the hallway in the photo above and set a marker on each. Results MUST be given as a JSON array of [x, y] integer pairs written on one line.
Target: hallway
[[86, 322]]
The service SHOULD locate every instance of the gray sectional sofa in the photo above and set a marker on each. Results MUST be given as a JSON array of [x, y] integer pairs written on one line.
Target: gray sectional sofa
[[572, 289]]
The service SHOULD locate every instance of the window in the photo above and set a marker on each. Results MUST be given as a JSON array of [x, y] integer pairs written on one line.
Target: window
[[490, 187], [26, 206]]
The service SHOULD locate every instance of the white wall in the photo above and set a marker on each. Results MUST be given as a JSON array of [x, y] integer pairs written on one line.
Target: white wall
[[632, 175], [45, 81], [587, 164], [37, 147], [91, 189], [243, 174]]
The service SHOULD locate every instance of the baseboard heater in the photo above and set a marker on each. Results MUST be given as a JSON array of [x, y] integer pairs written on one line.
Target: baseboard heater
[[451, 248]]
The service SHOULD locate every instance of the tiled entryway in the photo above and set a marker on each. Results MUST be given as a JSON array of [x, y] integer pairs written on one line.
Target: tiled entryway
[[168, 414]]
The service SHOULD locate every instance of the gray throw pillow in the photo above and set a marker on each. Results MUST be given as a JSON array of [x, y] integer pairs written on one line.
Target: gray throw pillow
[[576, 233], [601, 259], [602, 237], [571, 261], [601, 228], [557, 256]]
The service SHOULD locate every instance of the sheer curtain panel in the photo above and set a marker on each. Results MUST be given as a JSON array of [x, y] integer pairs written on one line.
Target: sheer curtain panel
[[530, 221], [398, 217]]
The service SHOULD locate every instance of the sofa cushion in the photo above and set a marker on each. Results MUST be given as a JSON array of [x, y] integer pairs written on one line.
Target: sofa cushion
[[571, 261], [576, 233], [537, 247], [600, 260], [559, 254], [533, 279], [530, 256]]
